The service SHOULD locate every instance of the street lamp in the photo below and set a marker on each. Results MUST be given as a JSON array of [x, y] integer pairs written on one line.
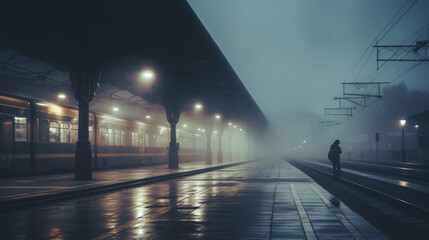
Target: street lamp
[[403, 122], [147, 76], [198, 106]]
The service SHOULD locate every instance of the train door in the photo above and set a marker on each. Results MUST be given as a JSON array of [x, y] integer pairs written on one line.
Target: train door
[[6, 143]]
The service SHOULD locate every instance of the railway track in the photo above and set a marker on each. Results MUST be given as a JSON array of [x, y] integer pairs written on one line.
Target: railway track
[[398, 211]]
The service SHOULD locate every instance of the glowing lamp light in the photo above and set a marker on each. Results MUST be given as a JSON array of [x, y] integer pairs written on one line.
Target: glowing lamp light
[[147, 117], [147, 76], [198, 106], [416, 126], [61, 96], [217, 116], [185, 125], [115, 109], [235, 126], [304, 141], [229, 124], [199, 129], [241, 129], [402, 122], [215, 132]]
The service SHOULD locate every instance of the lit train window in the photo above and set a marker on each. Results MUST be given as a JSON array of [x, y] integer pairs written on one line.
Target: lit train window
[[117, 137], [54, 132], [90, 134], [64, 132], [111, 137], [134, 139], [20, 129], [74, 133], [104, 136], [122, 138]]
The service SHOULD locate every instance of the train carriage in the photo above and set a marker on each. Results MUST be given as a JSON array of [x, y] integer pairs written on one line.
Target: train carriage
[[40, 137]]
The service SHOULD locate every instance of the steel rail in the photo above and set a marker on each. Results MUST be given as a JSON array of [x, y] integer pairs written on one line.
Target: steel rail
[[418, 210]]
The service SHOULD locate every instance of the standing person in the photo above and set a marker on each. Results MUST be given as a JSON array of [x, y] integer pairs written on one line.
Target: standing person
[[334, 156]]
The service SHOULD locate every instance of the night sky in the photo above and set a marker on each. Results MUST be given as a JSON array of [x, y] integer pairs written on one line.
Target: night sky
[[292, 55]]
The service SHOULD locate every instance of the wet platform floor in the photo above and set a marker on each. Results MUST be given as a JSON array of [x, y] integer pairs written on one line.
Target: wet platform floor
[[252, 201]]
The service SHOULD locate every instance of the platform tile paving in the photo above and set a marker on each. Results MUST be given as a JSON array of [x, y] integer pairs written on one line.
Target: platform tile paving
[[252, 201]]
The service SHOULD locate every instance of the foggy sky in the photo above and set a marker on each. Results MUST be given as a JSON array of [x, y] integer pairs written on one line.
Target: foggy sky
[[293, 55]]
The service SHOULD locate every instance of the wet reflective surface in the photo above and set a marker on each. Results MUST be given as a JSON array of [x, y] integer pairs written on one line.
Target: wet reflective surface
[[252, 201]]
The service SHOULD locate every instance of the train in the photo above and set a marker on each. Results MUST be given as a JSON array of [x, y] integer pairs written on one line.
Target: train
[[38, 137]]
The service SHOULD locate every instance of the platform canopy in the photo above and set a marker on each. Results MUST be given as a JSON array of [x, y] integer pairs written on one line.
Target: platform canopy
[[125, 37]]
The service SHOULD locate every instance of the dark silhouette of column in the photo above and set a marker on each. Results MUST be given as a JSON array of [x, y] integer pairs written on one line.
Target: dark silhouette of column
[[219, 145], [209, 157], [84, 82], [230, 146], [173, 110]]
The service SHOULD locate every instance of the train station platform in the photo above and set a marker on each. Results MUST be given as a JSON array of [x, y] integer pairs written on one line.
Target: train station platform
[[256, 200], [32, 190]]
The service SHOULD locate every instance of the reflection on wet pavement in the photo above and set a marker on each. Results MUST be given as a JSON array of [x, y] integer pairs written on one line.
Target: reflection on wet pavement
[[250, 201]]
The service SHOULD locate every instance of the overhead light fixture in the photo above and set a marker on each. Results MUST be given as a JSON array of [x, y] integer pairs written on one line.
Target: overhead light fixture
[[62, 96]]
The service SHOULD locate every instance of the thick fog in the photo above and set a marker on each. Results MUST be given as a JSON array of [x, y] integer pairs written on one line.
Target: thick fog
[[292, 56]]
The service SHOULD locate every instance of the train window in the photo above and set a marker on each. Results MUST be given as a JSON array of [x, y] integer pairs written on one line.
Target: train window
[[111, 136], [54, 132], [74, 133], [104, 136], [135, 139], [117, 137], [146, 141], [43, 130], [91, 134], [21, 129], [122, 138], [65, 132]]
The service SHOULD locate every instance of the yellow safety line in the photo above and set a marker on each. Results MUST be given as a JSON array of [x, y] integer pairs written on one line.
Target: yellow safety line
[[352, 230], [305, 221]]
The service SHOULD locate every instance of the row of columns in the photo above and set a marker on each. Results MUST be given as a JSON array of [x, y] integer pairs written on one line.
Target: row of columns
[[85, 83]]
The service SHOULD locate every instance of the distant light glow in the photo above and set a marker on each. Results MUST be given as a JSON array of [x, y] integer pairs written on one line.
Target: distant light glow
[[199, 129], [229, 124], [215, 132], [304, 141], [241, 129], [416, 126], [235, 126], [185, 125], [402, 122], [147, 117], [198, 106], [217, 116], [62, 96], [115, 109], [147, 76], [203, 130]]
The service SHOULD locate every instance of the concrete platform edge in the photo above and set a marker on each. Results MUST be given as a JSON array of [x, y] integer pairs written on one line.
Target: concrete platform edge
[[17, 204]]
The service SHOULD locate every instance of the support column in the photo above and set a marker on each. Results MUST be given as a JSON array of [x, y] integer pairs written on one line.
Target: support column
[[173, 110], [84, 81], [230, 147], [219, 149], [209, 157]]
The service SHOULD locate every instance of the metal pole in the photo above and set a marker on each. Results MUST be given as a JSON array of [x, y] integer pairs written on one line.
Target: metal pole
[[403, 145], [377, 151]]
